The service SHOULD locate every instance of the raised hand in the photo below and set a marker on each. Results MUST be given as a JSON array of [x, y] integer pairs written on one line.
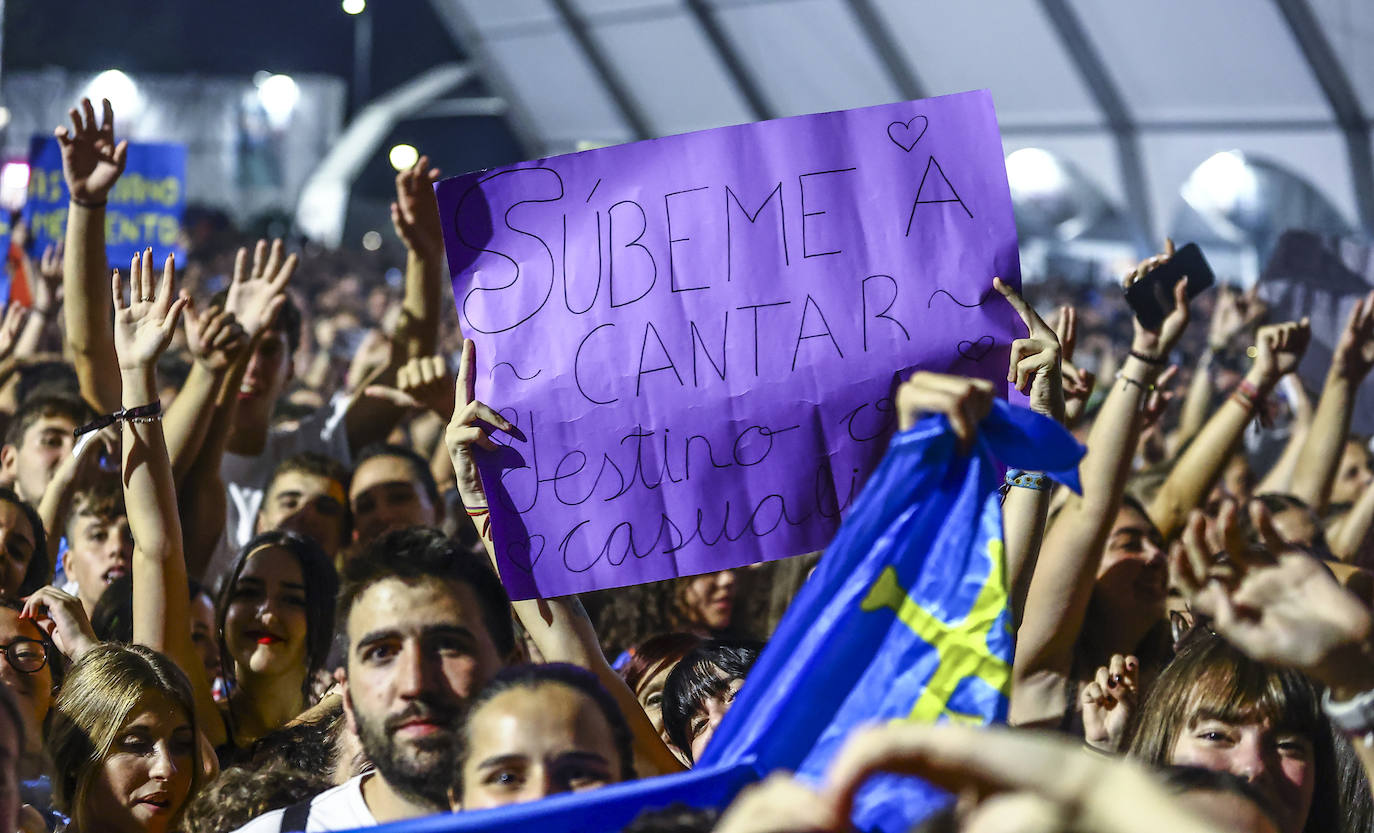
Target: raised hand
[[423, 382], [47, 290], [1276, 603], [144, 326], [1108, 702], [415, 213], [962, 400], [91, 160], [10, 325], [215, 338], [1079, 384], [779, 804], [1354, 356], [257, 290], [1034, 366], [1065, 324], [1158, 399], [465, 428], [1279, 349], [1157, 345], [60, 615]]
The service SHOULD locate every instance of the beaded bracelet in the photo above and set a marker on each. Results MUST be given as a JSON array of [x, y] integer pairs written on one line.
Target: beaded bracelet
[[1028, 480], [151, 412]]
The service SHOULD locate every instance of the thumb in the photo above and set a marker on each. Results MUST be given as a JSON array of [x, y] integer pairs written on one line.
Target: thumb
[[399, 398], [192, 318]]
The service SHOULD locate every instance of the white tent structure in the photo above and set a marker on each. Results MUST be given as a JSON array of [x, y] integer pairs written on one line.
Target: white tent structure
[[1121, 103]]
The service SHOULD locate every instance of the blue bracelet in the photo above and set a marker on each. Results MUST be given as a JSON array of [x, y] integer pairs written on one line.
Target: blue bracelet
[[1028, 480]]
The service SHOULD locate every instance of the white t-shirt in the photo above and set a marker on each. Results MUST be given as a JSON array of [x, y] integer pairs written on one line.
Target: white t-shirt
[[246, 478], [338, 808]]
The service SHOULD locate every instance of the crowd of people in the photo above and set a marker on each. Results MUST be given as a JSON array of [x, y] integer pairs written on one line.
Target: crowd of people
[[248, 580]]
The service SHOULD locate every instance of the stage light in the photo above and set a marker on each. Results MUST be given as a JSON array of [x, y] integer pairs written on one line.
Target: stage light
[[119, 88], [14, 185], [1033, 173], [1222, 183], [403, 156], [278, 95], [354, 6], [372, 241], [4, 117]]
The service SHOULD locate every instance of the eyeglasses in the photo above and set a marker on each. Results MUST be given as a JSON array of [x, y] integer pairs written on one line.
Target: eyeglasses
[[25, 655]]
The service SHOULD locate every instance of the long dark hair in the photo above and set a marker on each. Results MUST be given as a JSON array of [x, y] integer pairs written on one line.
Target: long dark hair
[[321, 584], [39, 570]]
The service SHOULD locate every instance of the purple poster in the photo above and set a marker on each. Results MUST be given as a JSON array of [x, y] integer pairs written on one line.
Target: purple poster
[[699, 336]]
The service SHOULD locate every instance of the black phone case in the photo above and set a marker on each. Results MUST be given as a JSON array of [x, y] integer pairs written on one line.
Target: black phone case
[[1152, 298]]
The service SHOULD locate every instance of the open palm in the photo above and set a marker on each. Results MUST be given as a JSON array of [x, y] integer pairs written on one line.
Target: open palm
[[1276, 603], [256, 292], [91, 160], [144, 326]]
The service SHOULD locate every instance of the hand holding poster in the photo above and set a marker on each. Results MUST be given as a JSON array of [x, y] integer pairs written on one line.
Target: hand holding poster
[[697, 336], [144, 209]]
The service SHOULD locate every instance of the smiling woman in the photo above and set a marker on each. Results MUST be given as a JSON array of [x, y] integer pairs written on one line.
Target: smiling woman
[[124, 742], [275, 619]]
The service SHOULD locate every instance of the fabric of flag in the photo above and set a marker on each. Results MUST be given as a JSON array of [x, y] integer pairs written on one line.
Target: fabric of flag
[[905, 618]]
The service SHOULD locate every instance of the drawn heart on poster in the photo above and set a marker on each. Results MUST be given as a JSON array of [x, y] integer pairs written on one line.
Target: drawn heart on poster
[[523, 555], [899, 130], [976, 351]]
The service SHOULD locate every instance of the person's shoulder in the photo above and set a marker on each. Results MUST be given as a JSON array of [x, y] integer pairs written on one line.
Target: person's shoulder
[[337, 808], [340, 808], [269, 822]]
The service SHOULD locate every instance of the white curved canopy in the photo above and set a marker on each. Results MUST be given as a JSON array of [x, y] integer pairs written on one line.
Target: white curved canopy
[[1136, 95]]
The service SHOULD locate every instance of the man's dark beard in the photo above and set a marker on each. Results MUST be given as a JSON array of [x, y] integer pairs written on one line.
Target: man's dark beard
[[422, 771]]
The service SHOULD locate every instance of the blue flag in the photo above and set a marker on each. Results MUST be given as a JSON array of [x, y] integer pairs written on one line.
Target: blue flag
[[905, 618], [144, 208]]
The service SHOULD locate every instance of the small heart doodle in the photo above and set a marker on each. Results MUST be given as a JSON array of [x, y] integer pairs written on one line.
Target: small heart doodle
[[523, 555], [899, 130], [976, 351]]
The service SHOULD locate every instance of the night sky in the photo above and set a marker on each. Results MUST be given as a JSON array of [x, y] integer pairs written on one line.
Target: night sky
[[212, 37]]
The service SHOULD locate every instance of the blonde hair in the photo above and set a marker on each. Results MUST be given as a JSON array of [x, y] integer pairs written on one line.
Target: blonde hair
[[101, 691]]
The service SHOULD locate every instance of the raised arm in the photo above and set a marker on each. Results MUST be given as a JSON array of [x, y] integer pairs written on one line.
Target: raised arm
[[560, 627], [415, 214], [1321, 454], [46, 280], [257, 291], [1035, 369], [1279, 478], [1062, 584], [162, 609], [216, 341], [91, 163], [1279, 348]]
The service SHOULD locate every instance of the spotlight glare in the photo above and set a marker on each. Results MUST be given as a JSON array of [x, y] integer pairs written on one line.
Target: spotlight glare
[[403, 156], [372, 241], [1034, 173], [278, 95], [119, 88], [354, 6]]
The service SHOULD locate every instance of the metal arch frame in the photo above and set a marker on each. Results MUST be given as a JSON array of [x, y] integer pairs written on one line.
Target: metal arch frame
[[745, 83], [468, 38], [321, 209], [1093, 70], [1340, 95], [620, 95], [879, 36]]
